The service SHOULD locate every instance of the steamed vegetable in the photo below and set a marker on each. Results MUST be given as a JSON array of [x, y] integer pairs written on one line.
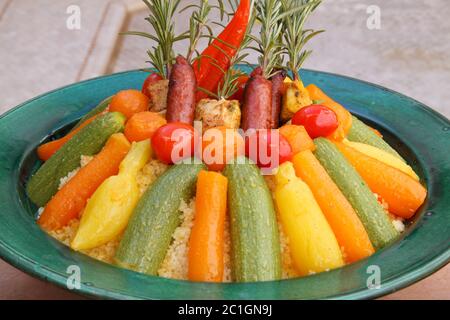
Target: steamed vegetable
[[343, 220], [46, 150], [108, 210], [100, 108], [382, 156], [129, 102], [343, 115], [71, 199], [403, 194], [312, 243], [143, 125], [88, 141], [254, 231], [360, 132], [221, 145], [206, 243], [375, 220], [297, 137], [155, 218]]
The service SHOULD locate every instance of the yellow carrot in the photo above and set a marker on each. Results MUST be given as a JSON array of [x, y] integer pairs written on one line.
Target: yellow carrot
[[382, 156], [314, 247], [107, 212]]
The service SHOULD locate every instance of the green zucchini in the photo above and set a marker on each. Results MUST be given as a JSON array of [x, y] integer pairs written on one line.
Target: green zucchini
[[254, 228], [98, 109], [360, 132], [375, 220], [155, 218], [88, 141]]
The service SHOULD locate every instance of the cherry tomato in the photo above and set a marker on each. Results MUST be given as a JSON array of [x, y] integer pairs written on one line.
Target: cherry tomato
[[174, 142], [267, 148], [154, 77], [239, 94], [318, 120]]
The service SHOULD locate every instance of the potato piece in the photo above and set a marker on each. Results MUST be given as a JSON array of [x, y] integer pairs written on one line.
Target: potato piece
[[295, 97], [214, 113], [158, 95]]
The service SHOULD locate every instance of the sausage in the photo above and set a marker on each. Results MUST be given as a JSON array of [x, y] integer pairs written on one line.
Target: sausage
[[257, 109], [181, 93], [277, 93]]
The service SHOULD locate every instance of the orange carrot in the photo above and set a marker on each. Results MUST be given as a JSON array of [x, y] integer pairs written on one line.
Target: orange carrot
[[348, 229], [403, 194], [206, 243], [46, 150], [70, 200], [378, 133], [143, 125], [129, 102], [343, 115], [298, 138]]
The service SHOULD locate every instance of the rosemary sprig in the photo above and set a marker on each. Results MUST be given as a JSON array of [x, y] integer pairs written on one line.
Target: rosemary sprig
[[269, 14], [295, 36], [197, 24], [161, 13]]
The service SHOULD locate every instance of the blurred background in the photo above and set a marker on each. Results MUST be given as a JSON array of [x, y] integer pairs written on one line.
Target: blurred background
[[46, 44]]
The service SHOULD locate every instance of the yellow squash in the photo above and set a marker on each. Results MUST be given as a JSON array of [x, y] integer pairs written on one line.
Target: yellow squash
[[295, 97], [107, 212], [313, 245], [383, 156]]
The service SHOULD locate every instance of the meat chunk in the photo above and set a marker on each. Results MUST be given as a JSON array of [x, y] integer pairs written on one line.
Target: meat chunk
[[214, 113], [158, 95]]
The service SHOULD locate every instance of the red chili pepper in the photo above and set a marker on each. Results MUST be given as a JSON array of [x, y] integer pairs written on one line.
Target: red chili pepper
[[208, 75]]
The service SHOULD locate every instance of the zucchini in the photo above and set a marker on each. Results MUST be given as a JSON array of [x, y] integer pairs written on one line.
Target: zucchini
[[98, 109], [360, 132], [155, 218], [254, 228], [378, 226], [88, 141]]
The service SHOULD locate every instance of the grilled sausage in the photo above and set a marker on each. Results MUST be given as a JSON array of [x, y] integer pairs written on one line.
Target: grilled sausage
[[257, 109], [181, 94], [277, 93]]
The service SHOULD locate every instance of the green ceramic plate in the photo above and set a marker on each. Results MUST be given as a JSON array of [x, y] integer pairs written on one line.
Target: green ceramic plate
[[421, 135]]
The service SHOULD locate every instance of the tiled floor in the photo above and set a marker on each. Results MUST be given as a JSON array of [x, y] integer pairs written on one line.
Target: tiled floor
[[39, 53]]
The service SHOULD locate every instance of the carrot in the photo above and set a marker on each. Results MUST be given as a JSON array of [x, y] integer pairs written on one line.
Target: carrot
[[378, 133], [206, 243], [129, 102], [297, 137], [348, 229], [221, 145], [142, 125], [343, 115], [46, 150], [403, 194], [70, 200]]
